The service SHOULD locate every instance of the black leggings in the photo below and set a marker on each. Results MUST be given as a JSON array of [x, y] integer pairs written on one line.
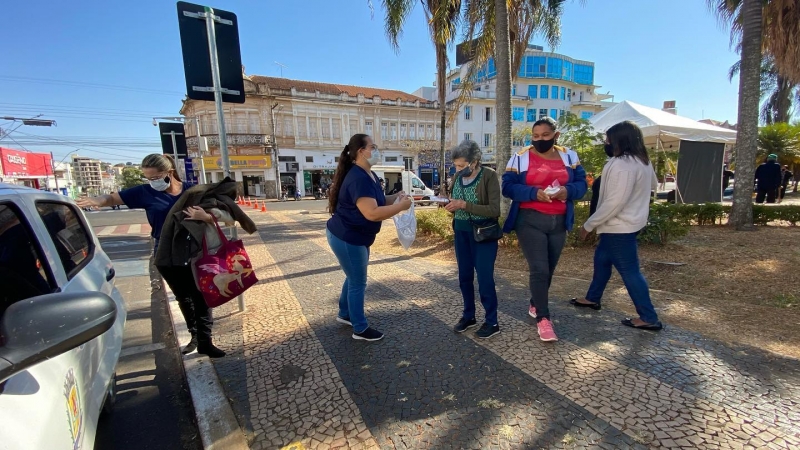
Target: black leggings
[[190, 300]]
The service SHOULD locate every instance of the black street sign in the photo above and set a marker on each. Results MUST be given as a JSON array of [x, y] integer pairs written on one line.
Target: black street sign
[[165, 129], [196, 59]]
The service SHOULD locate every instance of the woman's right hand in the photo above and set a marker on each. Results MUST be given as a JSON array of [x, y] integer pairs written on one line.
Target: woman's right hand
[[542, 197], [89, 202], [405, 202]]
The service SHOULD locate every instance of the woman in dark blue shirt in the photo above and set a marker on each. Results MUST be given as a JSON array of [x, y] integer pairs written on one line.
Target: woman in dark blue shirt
[[358, 205]]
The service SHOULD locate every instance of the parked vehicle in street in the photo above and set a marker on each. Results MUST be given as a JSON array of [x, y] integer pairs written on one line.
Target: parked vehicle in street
[[399, 179], [61, 323]]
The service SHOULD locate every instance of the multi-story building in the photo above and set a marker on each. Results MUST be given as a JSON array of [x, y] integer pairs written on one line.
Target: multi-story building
[[88, 175], [311, 122], [547, 85]]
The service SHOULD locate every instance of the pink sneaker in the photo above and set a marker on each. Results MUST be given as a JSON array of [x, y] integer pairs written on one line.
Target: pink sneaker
[[532, 311], [546, 332]]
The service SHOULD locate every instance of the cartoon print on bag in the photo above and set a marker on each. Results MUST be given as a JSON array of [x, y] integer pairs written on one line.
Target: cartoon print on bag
[[74, 409]]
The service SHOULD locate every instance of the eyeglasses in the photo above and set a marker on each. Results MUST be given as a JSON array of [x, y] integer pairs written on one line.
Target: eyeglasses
[[156, 178]]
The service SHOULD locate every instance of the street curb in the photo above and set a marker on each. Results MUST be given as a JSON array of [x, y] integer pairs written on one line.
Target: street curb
[[218, 427]]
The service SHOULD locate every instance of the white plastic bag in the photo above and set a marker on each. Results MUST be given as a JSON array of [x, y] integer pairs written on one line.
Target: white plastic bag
[[406, 224]]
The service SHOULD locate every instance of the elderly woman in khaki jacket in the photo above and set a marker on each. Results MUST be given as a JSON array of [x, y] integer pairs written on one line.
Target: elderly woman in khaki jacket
[[475, 204]]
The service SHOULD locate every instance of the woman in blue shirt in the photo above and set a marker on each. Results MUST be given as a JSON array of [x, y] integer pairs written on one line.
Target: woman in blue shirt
[[358, 205], [156, 197]]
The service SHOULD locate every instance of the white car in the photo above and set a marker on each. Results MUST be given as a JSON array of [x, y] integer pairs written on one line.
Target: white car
[[61, 323]]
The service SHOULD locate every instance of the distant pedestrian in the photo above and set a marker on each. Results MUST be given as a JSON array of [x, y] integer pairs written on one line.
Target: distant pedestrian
[[622, 211], [475, 202], [786, 176], [727, 174], [768, 180], [358, 205], [543, 181]]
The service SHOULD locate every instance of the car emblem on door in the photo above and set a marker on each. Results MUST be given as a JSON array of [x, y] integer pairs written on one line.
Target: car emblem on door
[[74, 411]]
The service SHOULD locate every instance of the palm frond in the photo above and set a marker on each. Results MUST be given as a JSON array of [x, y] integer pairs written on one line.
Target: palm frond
[[397, 12]]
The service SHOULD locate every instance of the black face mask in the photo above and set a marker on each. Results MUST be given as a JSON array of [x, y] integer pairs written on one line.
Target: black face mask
[[609, 150], [543, 146], [465, 172]]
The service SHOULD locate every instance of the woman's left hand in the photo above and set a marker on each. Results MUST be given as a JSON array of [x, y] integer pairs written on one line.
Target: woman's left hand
[[197, 213], [455, 205], [561, 195]]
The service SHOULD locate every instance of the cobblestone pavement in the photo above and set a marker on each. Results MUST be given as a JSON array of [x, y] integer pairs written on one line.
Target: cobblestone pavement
[[296, 377]]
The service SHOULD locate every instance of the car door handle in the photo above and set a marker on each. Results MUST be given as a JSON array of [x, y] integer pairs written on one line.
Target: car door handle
[[110, 274]]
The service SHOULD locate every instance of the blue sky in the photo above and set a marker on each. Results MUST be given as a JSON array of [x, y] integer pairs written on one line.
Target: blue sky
[[55, 56]]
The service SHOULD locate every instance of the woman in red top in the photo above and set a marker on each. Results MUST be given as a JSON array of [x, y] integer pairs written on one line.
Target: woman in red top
[[543, 180]]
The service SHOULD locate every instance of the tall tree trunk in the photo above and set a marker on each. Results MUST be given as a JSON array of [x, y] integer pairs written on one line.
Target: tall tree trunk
[[783, 105], [441, 82], [747, 138], [502, 60]]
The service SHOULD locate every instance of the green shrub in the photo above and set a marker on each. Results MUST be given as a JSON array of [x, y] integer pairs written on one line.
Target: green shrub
[[436, 222]]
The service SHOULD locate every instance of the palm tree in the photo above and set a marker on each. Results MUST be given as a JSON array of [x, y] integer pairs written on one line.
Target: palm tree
[[443, 18], [746, 17], [780, 93], [502, 29]]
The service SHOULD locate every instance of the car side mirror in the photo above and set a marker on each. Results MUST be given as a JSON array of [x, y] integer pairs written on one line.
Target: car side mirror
[[44, 327]]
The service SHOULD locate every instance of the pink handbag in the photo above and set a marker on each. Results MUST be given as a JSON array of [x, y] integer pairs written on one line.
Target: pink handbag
[[225, 275]]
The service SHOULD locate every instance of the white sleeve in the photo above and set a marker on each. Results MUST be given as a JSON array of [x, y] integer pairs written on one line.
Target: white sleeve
[[617, 191]]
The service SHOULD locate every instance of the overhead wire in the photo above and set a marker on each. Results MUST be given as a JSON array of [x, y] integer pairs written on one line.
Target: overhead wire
[[18, 79]]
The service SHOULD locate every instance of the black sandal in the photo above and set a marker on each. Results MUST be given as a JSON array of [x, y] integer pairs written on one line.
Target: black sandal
[[658, 326], [594, 306]]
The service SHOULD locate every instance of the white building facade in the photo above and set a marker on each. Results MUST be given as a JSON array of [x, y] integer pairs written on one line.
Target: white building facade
[[547, 85]]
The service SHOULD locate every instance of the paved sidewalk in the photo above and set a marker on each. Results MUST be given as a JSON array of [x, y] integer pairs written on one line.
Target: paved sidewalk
[[295, 377]]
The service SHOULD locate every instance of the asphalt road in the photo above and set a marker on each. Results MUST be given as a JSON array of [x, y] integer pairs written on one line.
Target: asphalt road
[[154, 408]]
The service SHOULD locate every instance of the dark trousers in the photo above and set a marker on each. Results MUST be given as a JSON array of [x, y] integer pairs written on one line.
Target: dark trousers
[[476, 257], [194, 308], [541, 238], [769, 194], [621, 252]]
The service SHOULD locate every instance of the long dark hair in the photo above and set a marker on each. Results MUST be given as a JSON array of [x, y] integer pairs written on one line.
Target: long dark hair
[[347, 160], [627, 140]]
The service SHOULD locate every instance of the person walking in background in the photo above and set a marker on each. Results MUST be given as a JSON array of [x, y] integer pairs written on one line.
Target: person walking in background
[[623, 209], [786, 177], [768, 180], [475, 201], [727, 174], [358, 205], [543, 181]]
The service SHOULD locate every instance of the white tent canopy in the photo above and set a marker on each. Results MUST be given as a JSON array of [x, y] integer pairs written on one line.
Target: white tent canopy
[[660, 125]]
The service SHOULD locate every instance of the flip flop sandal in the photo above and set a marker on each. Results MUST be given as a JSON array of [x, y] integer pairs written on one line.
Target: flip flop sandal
[[650, 326], [594, 306]]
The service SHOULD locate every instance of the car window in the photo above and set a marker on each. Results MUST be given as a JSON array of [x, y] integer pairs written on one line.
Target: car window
[[23, 270], [69, 235], [416, 183]]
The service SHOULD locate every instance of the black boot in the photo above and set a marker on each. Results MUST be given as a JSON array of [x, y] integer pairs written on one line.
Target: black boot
[[191, 346], [208, 349]]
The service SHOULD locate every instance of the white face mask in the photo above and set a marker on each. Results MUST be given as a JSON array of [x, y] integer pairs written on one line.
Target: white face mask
[[375, 158], [160, 185]]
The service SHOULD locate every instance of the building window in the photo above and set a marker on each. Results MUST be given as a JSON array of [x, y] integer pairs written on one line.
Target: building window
[[513, 89], [402, 131], [391, 159], [561, 113], [563, 93], [288, 126], [584, 74], [412, 131], [467, 136], [309, 159], [394, 131], [430, 132], [554, 114], [69, 235], [336, 133], [384, 131], [545, 89], [586, 115], [518, 114], [569, 95], [336, 159], [326, 129], [301, 127], [531, 115], [554, 68], [368, 127], [542, 113], [533, 91], [286, 159], [488, 114], [567, 74], [554, 93], [487, 139], [312, 128], [468, 113]]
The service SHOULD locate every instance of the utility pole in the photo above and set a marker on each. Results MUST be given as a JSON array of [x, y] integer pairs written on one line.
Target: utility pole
[[275, 150]]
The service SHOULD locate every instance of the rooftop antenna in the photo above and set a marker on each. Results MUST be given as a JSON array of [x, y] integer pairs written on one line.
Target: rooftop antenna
[[282, 66]]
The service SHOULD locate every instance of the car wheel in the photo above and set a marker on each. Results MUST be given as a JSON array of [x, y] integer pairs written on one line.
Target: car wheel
[[111, 396]]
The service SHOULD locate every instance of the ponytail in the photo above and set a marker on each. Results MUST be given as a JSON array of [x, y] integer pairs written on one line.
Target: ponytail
[[346, 161]]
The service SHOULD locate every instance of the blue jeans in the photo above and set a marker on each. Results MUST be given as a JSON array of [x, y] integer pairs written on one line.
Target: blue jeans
[[477, 257], [621, 252], [354, 260]]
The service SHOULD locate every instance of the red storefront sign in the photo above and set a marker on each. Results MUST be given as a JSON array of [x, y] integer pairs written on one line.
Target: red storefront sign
[[17, 163]]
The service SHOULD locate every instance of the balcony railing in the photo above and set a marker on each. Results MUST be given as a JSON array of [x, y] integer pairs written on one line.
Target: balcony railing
[[233, 139]]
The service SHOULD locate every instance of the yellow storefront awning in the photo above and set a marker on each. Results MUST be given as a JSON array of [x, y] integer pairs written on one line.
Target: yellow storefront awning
[[258, 162]]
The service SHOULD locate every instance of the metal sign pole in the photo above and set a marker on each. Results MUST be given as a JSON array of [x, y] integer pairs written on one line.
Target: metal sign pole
[[223, 138]]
